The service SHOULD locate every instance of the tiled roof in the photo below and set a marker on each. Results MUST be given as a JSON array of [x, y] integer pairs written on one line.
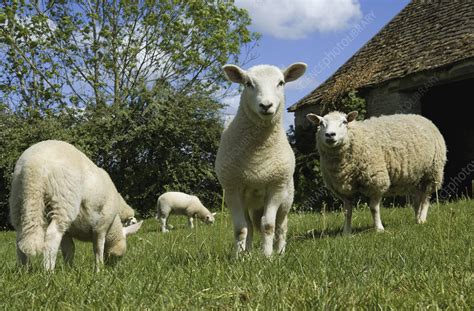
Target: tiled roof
[[423, 36]]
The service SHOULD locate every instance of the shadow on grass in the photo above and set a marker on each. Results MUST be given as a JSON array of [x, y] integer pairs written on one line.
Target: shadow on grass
[[331, 233]]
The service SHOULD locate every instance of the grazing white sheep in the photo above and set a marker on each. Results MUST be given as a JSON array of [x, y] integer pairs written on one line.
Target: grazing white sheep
[[59, 194], [255, 162], [389, 155], [181, 204]]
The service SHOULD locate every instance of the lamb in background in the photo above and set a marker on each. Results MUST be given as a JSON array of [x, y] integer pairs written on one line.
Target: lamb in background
[[181, 204], [255, 162], [389, 155], [59, 194]]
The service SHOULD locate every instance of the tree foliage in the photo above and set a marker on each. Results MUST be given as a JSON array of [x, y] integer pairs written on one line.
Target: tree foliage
[[98, 51]]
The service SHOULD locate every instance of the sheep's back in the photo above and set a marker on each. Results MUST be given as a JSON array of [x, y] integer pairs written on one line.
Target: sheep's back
[[410, 147], [178, 201], [74, 189]]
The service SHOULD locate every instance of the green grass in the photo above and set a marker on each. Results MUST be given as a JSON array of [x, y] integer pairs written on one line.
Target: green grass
[[408, 267]]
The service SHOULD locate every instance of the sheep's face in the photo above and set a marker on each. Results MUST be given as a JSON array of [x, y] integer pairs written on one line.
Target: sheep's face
[[115, 251], [263, 93], [209, 219], [332, 128], [130, 221], [116, 244]]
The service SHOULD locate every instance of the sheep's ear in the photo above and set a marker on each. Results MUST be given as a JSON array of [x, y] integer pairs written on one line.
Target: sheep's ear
[[294, 71], [314, 118], [132, 228], [233, 73], [351, 116], [213, 214]]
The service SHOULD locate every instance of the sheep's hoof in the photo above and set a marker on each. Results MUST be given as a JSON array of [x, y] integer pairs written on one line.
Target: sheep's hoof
[[267, 255], [379, 230]]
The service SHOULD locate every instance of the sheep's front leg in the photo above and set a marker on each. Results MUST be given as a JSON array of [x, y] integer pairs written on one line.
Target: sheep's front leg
[[269, 218], [68, 249], [98, 245], [190, 222], [234, 202], [348, 217], [163, 224], [52, 241], [268, 229], [375, 209]]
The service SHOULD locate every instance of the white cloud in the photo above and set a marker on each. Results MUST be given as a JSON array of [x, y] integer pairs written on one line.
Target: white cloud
[[295, 19]]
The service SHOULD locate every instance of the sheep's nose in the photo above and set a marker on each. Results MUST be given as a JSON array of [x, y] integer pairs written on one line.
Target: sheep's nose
[[330, 134], [266, 107]]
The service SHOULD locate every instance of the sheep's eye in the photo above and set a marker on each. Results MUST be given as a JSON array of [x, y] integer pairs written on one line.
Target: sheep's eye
[[249, 84], [344, 122], [281, 83]]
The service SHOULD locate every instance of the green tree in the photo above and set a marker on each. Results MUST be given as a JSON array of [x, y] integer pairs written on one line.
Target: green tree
[[97, 51]]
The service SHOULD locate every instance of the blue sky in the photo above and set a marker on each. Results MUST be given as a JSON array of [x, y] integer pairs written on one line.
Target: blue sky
[[322, 33]]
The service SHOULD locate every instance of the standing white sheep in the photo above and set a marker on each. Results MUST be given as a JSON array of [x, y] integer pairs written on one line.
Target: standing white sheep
[[181, 204], [389, 155], [255, 162], [59, 194]]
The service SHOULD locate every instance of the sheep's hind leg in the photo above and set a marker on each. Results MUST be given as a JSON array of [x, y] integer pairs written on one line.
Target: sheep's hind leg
[[234, 202], [375, 209], [347, 217], [416, 204], [68, 249], [250, 222], [21, 257], [422, 212], [281, 230], [52, 241], [190, 222]]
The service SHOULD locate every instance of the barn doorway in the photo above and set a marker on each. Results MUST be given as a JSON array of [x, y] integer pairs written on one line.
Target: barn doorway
[[449, 107]]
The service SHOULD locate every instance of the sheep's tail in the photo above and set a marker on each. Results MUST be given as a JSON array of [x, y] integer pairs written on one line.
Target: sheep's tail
[[28, 216], [158, 213], [439, 161]]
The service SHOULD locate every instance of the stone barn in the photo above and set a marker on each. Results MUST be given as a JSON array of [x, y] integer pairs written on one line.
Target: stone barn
[[421, 62]]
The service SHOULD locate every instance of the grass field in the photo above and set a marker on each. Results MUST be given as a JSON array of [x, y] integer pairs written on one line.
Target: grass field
[[408, 267]]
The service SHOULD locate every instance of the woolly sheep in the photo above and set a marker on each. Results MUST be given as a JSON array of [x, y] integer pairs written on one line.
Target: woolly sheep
[[58, 194], [255, 162], [182, 204], [389, 155]]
